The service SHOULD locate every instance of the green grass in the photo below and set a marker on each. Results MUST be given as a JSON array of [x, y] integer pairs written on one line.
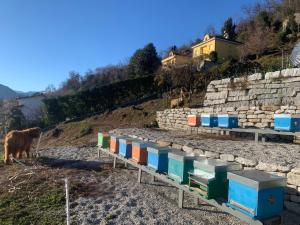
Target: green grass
[[36, 204]]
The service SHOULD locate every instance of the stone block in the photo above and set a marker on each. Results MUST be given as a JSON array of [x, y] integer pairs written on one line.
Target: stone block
[[292, 206], [295, 198], [296, 171], [213, 155], [198, 151], [266, 167], [290, 189], [227, 157], [177, 146], [293, 178], [187, 148], [246, 162], [270, 108], [284, 169], [243, 108], [272, 75], [256, 76]]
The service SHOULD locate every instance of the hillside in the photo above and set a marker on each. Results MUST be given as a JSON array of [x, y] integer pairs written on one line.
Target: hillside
[[84, 132], [6, 92]]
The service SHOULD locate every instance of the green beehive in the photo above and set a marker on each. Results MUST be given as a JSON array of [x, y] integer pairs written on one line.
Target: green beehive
[[179, 165], [103, 140], [209, 177]]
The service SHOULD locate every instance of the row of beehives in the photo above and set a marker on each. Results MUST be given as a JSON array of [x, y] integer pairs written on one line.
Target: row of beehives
[[282, 122], [257, 194]]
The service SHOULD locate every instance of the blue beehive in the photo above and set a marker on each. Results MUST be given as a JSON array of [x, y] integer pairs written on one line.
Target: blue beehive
[[286, 122], [158, 158], [125, 147], [209, 120], [257, 194], [228, 121]]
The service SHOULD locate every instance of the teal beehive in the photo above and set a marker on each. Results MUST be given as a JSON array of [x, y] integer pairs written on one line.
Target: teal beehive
[[179, 165]]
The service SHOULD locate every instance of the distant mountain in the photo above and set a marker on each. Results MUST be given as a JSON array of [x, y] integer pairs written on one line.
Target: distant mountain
[[25, 94], [6, 92]]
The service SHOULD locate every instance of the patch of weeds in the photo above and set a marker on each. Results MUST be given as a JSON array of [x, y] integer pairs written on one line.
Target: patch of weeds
[[33, 206], [85, 131], [110, 217]]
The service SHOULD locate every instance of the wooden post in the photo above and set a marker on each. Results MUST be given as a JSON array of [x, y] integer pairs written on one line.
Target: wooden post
[[153, 179], [256, 137], [115, 162], [140, 176], [38, 144], [196, 201], [180, 198], [99, 152], [67, 201]]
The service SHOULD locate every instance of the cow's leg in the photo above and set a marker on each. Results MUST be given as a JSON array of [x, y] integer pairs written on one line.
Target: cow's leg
[[6, 155], [19, 154], [27, 151]]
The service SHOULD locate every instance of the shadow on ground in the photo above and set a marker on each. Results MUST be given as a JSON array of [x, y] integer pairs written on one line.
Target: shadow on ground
[[70, 164]]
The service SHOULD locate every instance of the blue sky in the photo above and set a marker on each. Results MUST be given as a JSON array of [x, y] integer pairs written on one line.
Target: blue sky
[[42, 40]]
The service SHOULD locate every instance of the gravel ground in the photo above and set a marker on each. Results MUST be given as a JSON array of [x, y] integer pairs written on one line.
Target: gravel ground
[[273, 153], [117, 198]]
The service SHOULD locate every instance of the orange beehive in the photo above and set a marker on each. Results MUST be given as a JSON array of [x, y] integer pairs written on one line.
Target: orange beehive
[[139, 151], [193, 120], [114, 143]]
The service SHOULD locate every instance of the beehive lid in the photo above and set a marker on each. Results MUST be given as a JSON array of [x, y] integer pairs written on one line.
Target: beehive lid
[[214, 165], [286, 116], [257, 179], [118, 137], [143, 144], [126, 140], [192, 116], [208, 115], [158, 149], [227, 115], [180, 155]]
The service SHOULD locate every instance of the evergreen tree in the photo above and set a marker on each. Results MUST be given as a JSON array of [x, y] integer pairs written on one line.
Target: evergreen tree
[[228, 29], [144, 62]]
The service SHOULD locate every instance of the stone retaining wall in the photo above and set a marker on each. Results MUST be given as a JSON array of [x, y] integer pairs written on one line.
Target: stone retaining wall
[[254, 99]]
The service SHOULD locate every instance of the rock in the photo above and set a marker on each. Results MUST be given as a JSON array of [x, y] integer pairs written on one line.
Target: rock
[[213, 155], [295, 198], [292, 206], [296, 171], [284, 168], [293, 178], [188, 149], [164, 143], [290, 189], [266, 167], [270, 108], [246, 162], [198, 151], [227, 157], [256, 76], [177, 146]]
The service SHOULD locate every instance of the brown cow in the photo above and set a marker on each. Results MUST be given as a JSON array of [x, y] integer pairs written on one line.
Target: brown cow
[[16, 142]]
